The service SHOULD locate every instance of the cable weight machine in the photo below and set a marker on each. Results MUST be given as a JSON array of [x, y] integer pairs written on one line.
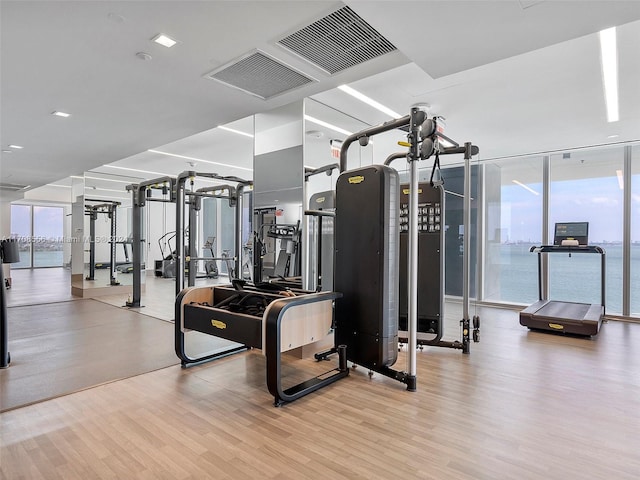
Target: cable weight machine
[[371, 333], [110, 209], [181, 195]]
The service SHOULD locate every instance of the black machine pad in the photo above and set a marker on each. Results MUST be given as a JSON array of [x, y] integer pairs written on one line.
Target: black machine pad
[[366, 264]]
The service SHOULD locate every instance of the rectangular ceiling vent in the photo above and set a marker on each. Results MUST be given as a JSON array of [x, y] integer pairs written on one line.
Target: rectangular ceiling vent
[[260, 75], [12, 187], [338, 41]]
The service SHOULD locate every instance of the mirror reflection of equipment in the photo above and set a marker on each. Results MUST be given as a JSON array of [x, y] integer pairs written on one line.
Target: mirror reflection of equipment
[[9, 253]]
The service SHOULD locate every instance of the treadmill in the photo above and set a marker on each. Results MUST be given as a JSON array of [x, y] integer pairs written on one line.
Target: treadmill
[[567, 317]]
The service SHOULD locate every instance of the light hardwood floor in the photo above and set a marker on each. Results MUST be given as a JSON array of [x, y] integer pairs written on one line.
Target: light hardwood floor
[[522, 405]]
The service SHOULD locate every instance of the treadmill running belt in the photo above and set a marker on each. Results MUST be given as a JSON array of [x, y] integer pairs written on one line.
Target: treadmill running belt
[[564, 310], [566, 317]]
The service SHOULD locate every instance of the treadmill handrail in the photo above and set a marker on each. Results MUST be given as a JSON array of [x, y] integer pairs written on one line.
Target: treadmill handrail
[[573, 249], [568, 249]]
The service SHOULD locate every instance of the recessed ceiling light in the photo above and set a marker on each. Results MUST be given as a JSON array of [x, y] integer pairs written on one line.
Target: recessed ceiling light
[[615, 135], [164, 40], [16, 146], [60, 114]]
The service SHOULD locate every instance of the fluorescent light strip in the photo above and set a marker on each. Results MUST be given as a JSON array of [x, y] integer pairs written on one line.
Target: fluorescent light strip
[[99, 196], [235, 131], [525, 187], [609, 59], [61, 114], [199, 160], [204, 179], [369, 101], [93, 189], [108, 180], [449, 192], [19, 147], [327, 125], [620, 179], [141, 171]]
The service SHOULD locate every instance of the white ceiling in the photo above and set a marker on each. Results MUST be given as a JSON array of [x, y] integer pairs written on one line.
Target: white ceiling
[[513, 76]]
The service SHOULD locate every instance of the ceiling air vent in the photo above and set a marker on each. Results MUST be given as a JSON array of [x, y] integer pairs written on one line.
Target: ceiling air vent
[[338, 41], [260, 75]]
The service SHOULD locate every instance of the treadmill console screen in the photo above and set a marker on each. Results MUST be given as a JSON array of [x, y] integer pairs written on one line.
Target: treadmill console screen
[[578, 231]]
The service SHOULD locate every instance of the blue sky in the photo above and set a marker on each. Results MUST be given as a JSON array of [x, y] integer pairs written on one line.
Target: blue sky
[[597, 201]]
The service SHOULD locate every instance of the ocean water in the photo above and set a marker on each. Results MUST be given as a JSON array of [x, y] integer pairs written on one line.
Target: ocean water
[[513, 276], [47, 258]]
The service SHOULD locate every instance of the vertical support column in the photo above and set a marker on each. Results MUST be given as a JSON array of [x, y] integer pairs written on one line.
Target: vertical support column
[[5, 357], [137, 202], [193, 234], [626, 234], [603, 281], [413, 266], [546, 188], [417, 117], [180, 202], [466, 248], [481, 242], [113, 209], [238, 230], [93, 215]]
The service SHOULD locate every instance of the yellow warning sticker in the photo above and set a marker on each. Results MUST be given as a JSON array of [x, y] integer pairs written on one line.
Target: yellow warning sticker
[[406, 191], [556, 326], [218, 324], [356, 179], [320, 200]]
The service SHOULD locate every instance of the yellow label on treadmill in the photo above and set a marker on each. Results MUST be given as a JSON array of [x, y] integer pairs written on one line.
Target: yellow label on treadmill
[[218, 324], [406, 191], [320, 200], [356, 179], [556, 326]]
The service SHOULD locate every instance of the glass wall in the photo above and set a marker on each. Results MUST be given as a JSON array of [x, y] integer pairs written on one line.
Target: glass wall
[[219, 224], [635, 231], [40, 235], [513, 215], [586, 186], [48, 223], [21, 229]]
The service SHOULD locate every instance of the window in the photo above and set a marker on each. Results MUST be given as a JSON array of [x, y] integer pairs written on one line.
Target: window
[[587, 186], [635, 231], [47, 233], [513, 208], [40, 234], [21, 229]]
